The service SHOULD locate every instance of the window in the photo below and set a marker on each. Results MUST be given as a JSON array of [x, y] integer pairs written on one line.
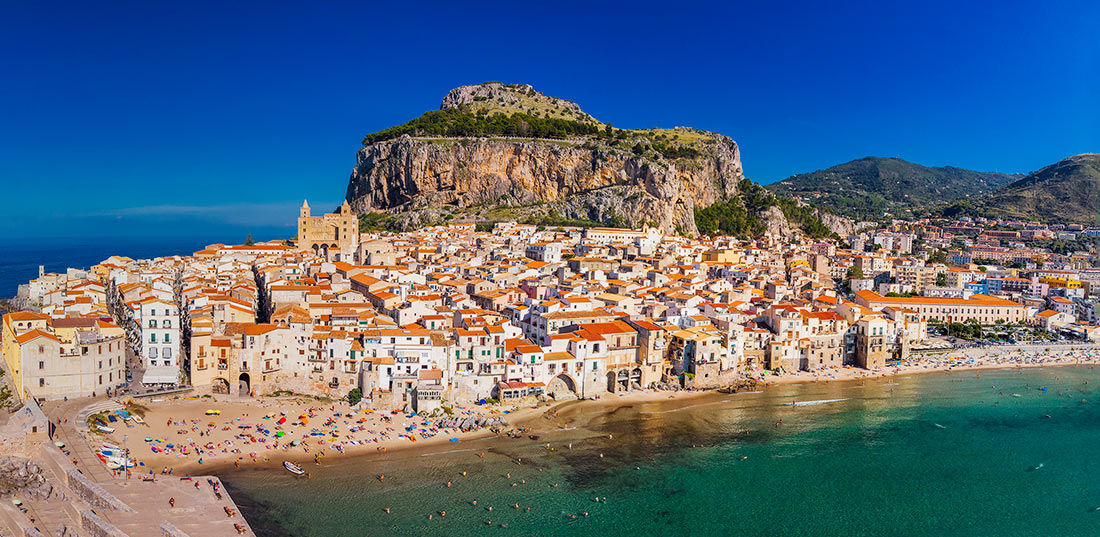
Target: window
[[167, 338], [152, 323], [168, 323], [41, 365], [41, 383], [152, 338], [152, 352], [167, 352]]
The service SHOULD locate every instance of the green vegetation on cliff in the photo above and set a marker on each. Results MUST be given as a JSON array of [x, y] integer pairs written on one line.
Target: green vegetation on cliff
[[460, 122], [870, 187], [740, 216], [375, 221]]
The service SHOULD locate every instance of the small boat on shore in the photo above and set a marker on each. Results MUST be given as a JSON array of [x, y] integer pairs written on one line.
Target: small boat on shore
[[293, 468], [105, 429], [117, 462]]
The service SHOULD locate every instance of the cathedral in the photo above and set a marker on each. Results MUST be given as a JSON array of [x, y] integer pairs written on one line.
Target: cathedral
[[334, 236]]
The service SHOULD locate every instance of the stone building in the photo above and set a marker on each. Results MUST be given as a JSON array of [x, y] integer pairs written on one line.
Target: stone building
[[335, 236]]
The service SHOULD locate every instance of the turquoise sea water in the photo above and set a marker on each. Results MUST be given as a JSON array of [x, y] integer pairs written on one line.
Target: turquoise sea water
[[937, 454]]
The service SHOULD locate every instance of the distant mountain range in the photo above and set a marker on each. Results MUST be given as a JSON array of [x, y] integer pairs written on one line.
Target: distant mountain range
[[873, 187], [1067, 191]]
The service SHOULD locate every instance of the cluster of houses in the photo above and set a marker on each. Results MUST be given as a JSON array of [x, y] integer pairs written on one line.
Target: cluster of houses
[[448, 313]]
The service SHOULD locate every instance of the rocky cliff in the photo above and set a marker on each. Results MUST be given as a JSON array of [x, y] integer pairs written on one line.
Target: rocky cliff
[[433, 177], [468, 162]]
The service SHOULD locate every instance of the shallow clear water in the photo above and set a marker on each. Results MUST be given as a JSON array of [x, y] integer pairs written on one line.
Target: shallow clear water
[[937, 454]]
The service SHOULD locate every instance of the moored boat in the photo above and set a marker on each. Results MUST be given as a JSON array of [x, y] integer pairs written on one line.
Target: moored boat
[[293, 468]]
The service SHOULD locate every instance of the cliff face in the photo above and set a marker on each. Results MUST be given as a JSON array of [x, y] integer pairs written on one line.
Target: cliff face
[[421, 179]]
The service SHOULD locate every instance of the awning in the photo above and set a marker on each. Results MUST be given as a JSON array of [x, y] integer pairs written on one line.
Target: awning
[[164, 374]]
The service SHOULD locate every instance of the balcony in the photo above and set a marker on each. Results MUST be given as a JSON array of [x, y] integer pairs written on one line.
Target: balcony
[[223, 366]]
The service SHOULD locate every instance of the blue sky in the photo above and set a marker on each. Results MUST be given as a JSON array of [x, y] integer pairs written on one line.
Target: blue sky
[[217, 118]]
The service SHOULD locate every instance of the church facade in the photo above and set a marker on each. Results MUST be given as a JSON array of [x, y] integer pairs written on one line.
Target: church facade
[[334, 235]]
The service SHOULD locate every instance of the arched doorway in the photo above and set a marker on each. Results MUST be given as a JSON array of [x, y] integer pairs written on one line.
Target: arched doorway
[[244, 389], [636, 377], [220, 386], [623, 379], [561, 386], [316, 249]]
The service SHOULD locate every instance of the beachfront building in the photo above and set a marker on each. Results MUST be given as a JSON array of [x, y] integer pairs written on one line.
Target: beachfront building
[[873, 342], [160, 340], [985, 309], [66, 357], [701, 352]]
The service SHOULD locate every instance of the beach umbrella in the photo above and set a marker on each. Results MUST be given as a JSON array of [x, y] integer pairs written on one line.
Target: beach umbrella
[[59, 444], [17, 501], [148, 438]]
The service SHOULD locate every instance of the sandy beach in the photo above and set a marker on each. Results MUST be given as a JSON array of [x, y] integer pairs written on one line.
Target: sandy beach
[[954, 360], [179, 435]]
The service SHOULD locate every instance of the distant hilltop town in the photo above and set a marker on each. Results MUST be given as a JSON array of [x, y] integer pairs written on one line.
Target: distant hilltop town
[[449, 314]]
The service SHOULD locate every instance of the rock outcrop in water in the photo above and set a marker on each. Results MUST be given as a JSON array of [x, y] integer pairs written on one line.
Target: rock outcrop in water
[[470, 423]]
